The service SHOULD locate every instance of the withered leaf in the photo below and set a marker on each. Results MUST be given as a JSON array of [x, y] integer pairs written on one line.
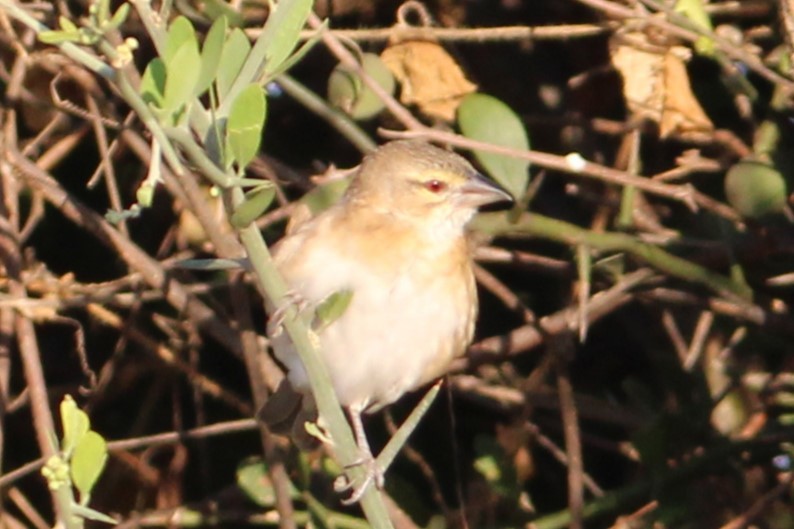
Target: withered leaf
[[429, 76]]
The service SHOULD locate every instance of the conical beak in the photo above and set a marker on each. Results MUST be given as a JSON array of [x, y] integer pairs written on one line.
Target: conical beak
[[479, 191]]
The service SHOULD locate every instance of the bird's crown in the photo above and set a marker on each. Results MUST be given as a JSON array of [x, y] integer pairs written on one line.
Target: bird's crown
[[410, 174]]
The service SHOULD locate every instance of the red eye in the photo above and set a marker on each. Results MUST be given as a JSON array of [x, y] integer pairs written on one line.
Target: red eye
[[435, 186]]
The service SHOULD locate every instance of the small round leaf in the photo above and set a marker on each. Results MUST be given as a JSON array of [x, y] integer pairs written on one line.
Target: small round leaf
[[755, 189], [484, 118], [75, 424], [245, 124], [256, 202], [88, 461]]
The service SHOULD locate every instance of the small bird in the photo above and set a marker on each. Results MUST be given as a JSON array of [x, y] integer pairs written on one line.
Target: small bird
[[397, 240]]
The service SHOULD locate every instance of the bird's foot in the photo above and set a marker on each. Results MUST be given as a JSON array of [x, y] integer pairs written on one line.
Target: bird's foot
[[372, 475], [292, 299]]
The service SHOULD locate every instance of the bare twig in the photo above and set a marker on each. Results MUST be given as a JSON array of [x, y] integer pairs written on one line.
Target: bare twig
[[163, 439], [503, 292], [10, 255], [136, 258], [205, 384], [528, 337], [570, 423], [763, 503], [480, 35], [702, 330], [251, 355]]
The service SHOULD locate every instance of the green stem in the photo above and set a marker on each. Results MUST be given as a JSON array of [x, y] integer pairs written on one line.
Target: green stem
[[65, 498], [297, 328], [144, 113], [570, 234], [341, 122], [153, 24], [198, 156], [77, 54]]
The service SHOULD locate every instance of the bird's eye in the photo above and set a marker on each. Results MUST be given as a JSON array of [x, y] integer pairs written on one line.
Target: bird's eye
[[435, 186]]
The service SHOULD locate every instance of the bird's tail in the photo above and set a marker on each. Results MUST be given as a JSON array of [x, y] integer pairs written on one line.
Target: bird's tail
[[287, 411]]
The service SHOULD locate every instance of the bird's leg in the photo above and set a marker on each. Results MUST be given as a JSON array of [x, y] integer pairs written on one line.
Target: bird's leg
[[360, 433], [376, 467], [373, 473]]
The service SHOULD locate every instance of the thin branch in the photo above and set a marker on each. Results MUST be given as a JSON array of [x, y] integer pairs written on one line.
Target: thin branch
[[572, 235], [527, 337], [573, 443], [479, 35], [136, 443], [44, 425], [135, 257]]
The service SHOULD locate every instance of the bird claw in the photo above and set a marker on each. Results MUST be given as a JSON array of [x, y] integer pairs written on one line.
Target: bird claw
[[275, 326], [374, 475]]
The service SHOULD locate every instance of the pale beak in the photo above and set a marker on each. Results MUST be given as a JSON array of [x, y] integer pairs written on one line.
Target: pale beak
[[479, 191]]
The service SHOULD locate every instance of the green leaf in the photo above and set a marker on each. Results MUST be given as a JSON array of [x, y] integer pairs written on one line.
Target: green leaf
[[116, 217], [208, 265], [755, 189], [331, 308], [75, 424], [66, 25], [695, 11], [282, 32], [235, 50], [254, 481], [87, 463], [344, 88], [219, 8], [182, 73], [90, 514], [211, 54], [488, 467], [491, 464], [59, 37], [145, 194], [180, 32], [324, 196], [348, 92], [484, 118], [153, 82], [255, 203], [314, 430], [119, 16], [245, 124], [102, 10], [305, 48]]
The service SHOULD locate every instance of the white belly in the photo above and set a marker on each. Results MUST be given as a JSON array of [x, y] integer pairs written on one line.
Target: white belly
[[393, 337]]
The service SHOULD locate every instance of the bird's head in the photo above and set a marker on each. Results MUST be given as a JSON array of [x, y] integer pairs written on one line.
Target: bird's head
[[417, 181]]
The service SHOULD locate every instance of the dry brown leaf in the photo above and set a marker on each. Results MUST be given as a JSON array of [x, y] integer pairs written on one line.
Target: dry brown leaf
[[656, 85], [682, 111], [429, 76]]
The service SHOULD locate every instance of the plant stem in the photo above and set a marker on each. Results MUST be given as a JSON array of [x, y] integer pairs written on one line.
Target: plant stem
[[566, 233]]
